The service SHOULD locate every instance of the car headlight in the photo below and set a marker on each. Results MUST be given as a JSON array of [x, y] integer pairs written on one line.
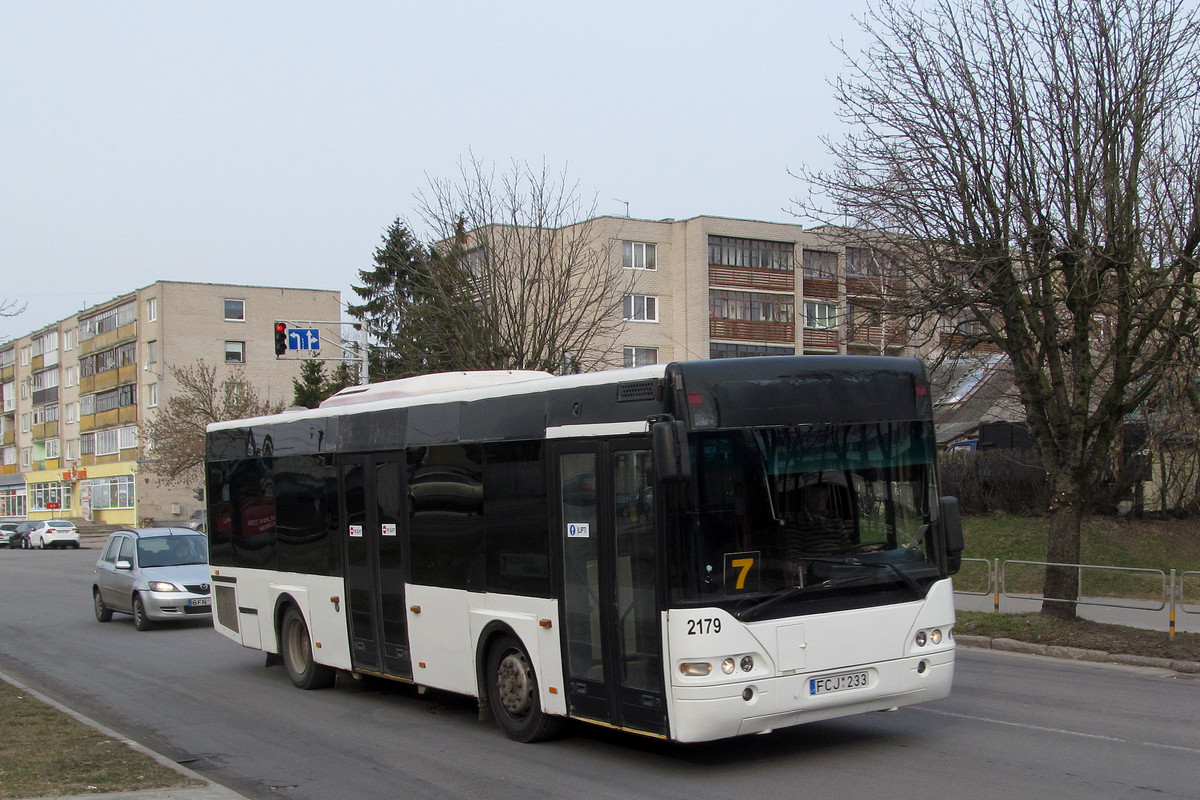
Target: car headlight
[[163, 586]]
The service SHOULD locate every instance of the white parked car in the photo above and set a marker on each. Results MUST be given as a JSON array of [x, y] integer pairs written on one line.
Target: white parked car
[[43, 533]]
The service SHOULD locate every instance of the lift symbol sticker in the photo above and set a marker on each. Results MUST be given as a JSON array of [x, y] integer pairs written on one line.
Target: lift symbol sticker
[[579, 530]]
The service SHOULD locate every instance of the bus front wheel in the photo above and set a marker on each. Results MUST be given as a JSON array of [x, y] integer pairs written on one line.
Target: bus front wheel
[[513, 694], [295, 646]]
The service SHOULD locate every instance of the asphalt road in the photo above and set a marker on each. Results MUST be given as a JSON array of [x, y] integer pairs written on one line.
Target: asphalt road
[[1015, 727]]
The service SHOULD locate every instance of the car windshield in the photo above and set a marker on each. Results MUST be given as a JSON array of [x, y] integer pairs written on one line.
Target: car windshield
[[172, 551], [785, 515], [59, 523]]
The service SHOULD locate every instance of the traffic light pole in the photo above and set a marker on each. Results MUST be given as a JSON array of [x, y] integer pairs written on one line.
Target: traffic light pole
[[307, 338]]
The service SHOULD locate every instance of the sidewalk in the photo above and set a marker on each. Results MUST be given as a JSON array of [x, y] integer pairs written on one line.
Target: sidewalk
[[1131, 613], [209, 791]]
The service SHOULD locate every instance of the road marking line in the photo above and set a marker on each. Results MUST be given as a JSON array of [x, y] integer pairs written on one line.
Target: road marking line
[[1027, 726]]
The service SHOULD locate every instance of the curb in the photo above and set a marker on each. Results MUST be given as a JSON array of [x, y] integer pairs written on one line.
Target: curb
[[1078, 654], [207, 790]]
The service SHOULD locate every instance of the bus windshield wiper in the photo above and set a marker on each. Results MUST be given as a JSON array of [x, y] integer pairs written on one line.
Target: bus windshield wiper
[[761, 606]]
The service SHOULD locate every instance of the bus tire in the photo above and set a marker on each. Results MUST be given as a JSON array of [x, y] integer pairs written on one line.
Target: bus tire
[[295, 646], [513, 694]]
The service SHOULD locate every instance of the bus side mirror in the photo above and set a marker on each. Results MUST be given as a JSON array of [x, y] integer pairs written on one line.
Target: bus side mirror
[[952, 528], [672, 459]]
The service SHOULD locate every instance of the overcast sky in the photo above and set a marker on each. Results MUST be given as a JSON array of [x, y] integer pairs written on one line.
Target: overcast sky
[[272, 143]]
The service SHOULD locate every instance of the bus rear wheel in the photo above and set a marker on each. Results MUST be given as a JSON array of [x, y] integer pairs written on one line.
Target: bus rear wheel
[[295, 646], [513, 694]]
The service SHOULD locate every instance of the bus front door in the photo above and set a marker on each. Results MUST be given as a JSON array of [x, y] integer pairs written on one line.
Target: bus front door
[[373, 491], [612, 636]]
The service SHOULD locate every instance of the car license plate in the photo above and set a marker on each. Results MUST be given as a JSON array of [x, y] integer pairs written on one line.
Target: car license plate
[[200, 601], [838, 683]]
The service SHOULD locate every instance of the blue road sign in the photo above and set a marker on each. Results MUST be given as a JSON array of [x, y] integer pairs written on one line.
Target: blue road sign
[[304, 339]]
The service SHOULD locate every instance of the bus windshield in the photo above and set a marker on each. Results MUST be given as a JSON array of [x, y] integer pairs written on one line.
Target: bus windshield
[[784, 515]]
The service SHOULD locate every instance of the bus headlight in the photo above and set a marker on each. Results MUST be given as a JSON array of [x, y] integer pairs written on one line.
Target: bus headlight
[[932, 637], [695, 669], [727, 666], [747, 663]]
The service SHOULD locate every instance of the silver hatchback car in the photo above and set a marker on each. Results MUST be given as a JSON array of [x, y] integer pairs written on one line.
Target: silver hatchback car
[[155, 574]]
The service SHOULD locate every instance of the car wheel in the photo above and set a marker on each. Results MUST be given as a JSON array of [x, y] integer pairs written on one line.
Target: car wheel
[[41, 544], [103, 612], [513, 694], [74, 545], [296, 648], [140, 620]]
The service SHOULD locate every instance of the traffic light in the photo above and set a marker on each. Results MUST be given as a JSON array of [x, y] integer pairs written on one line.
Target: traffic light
[[280, 338], [198, 494]]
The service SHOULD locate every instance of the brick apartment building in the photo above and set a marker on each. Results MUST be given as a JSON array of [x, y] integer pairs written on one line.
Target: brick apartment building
[[76, 396], [713, 287]]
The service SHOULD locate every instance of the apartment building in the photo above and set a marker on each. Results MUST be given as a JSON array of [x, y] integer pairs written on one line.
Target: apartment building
[[713, 287], [76, 397]]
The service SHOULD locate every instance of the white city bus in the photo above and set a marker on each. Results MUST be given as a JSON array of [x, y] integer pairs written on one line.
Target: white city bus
[[688, 551]]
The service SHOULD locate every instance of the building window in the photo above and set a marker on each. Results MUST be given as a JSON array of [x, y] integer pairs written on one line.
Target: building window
[[820, 264], [235, 310], [751, 306], [107, 442], [71, 380], [235, 352], [46, 413], [152, 309], [152, 395], [114, 492], [127, 437], [72, 413], [72, 449], [641, 308], [727, 251], [735, 350], [640, 356], [863, 262], [639, 255], [151, 352], [26, 457], [49, 496], [69, 339], [818, 314], [52, 448]]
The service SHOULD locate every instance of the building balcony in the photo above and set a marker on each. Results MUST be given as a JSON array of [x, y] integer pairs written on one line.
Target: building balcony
[[750, 331], [108, 339], [820, 289], [821, 338], [772, 280]]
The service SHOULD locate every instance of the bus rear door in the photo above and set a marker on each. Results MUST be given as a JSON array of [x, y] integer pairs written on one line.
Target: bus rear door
[[373, 491]]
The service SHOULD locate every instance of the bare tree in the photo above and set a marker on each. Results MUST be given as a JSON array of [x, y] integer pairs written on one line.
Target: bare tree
[[177, 433], [520, 278], [1034, 170], [8, 308]]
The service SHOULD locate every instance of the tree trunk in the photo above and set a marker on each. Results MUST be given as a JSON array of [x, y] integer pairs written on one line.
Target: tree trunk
[[1061, 589]]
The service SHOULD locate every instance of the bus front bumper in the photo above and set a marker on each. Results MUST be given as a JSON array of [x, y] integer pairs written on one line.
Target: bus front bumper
[[705, 713]]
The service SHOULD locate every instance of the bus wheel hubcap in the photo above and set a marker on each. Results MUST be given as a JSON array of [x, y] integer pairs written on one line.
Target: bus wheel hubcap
[[515, 684]]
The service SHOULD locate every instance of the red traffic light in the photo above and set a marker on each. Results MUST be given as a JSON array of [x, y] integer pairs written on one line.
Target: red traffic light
[[281, 338]]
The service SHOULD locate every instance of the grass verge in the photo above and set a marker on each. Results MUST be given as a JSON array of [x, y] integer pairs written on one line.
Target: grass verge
[[1041, 629], [46, 753]]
